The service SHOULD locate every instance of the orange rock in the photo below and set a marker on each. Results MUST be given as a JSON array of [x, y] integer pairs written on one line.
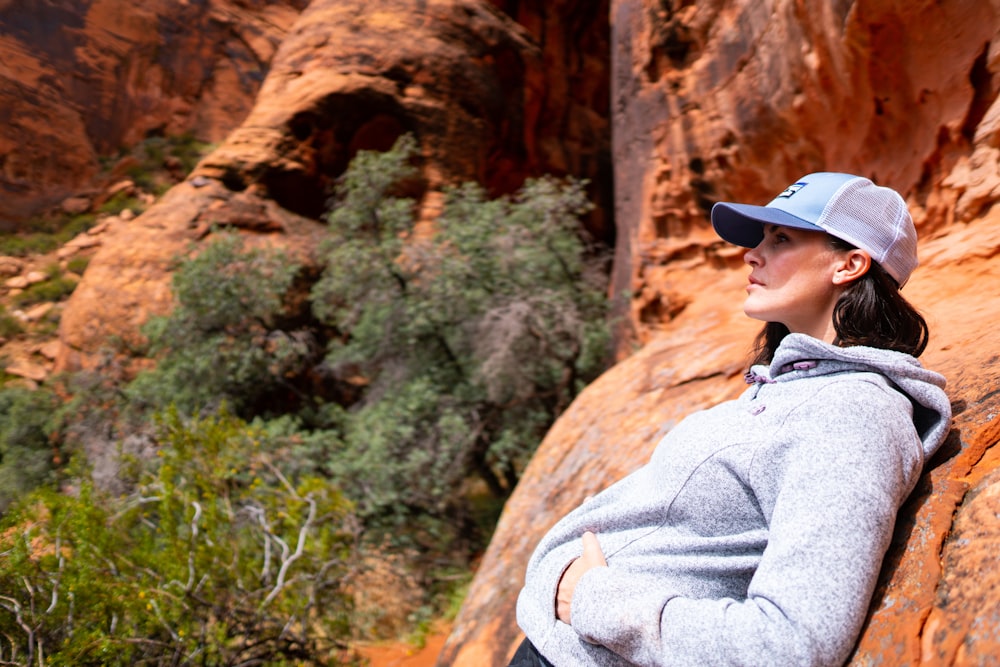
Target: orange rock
[[718, 100], [82, 82], [733, 100], [470, 83]]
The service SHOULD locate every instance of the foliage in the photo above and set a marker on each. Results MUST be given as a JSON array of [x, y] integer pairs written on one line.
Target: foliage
[[76, 225], [121, 201], [63, 228], [78, 265], [217, 558], [449, 351], [22, 245], [27, 451], [473, 338], [10, 326], [44, 234], [54, 289], [178, 153], [221, 342]]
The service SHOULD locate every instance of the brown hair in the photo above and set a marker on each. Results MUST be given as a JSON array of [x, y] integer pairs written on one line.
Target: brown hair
[[870, 311]]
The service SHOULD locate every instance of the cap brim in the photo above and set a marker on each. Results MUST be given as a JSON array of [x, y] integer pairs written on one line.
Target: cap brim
[[743, 224]]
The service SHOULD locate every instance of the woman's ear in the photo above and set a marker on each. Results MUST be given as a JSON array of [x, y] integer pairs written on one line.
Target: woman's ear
[[853, 264]]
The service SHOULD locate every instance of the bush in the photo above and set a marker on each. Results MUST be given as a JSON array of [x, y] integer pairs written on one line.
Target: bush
[[221, 343], [217, 558], [10, 326], [121, 201], [76, 225], [44, 234], [51, 290], [27, 451], [77, 265], [27, 244], [472, 340]]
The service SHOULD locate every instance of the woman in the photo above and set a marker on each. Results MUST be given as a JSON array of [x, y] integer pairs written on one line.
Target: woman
[[755, 534]]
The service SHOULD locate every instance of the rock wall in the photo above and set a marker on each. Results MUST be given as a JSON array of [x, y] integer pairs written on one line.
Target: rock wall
[[81, 79], [482, 94], [733, 100]]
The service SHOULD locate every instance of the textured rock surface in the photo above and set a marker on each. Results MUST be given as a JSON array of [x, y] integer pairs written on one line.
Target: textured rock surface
[[734, 100], [469, 82], [83, 78]]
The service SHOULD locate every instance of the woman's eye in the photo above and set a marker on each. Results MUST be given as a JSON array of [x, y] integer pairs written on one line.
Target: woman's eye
[[780, 238]]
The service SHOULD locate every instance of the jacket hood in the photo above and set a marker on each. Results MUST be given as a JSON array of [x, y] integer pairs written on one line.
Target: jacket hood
[[809, 356]]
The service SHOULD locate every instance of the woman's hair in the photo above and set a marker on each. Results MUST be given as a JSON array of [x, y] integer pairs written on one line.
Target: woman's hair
[[870, 312]]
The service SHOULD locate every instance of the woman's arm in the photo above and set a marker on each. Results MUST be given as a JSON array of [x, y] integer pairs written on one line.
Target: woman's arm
[[830, 489]]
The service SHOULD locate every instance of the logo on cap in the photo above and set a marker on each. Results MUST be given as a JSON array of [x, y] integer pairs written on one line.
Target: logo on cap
[[792, 189]]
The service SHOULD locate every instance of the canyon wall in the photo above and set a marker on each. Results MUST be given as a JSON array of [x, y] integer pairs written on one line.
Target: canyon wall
[[82, 79], [733, 100]]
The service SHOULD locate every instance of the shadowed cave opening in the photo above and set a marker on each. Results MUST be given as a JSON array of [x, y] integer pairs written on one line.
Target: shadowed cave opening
[[328, 136]]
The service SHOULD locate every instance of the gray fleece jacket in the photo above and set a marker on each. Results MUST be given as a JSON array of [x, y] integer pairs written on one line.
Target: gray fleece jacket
[[755, 534]]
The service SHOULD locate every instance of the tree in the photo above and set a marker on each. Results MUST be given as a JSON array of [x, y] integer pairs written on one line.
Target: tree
[[28, 454], [471, 339], [223, 341]]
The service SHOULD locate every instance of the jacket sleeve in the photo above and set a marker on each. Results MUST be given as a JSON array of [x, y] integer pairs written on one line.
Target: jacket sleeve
[[829, 485]]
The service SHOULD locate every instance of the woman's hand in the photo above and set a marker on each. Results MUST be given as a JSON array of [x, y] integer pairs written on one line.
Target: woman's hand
[[592, 557]]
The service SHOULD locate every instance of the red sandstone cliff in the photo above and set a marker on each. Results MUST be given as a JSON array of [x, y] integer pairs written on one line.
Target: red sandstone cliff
[[81, 79], [733, 100], [729, 99], [486, 97]]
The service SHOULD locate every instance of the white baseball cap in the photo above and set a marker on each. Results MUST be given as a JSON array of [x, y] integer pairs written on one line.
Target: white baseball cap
[[852, 208]]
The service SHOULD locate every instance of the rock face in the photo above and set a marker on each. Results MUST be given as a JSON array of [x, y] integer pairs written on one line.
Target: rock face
[[81, 79], [487, 99], [733, 100]]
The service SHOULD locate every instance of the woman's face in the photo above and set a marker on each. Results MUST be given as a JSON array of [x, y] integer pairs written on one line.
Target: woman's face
[[793, 282]]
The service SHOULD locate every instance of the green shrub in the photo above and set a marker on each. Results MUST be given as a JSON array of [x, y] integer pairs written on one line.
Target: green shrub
[[76, 225], [121, 201], [22, 245], [52, 290], [150, 173], [44, 235], [473, 340], [221, 343], [189, 150], [78, 265], [10, 326], [27, 450], [217, 558]]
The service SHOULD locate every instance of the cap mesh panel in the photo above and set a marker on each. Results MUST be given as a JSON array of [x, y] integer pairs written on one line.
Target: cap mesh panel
[[875, 219]]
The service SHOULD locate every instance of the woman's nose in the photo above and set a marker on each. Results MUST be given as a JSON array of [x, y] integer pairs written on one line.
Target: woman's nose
[[752, 257]]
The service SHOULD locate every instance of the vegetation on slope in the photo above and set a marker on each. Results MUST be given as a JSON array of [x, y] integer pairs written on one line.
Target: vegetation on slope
[[310, 460]]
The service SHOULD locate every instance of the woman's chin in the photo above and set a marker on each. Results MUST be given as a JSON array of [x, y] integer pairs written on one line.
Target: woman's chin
[[754, 312]]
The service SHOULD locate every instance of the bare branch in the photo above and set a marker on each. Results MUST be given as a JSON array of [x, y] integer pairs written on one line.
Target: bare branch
[[299, 550], [194, 537]]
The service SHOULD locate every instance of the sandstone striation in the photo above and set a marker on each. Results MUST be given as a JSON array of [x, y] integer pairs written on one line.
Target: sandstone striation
[[732, 101]]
